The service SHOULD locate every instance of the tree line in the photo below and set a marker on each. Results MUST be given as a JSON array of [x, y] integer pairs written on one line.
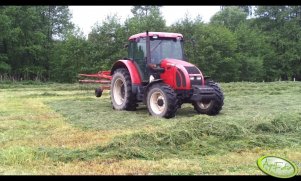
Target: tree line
[[240, 43]]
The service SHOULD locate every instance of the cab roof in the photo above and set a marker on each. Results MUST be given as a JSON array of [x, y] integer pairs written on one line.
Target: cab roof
[[160, 34]]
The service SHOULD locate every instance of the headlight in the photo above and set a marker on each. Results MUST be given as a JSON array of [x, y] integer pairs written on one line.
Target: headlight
[[198, 78], [191, 78]]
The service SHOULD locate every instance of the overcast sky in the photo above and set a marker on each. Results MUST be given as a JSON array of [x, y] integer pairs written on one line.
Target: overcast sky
[[86, 16]]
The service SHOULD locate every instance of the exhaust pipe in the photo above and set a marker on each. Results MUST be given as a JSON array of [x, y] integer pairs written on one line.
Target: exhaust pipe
[[148, 54]]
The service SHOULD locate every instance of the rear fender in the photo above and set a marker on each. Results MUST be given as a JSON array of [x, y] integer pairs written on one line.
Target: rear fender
[[131, 67]]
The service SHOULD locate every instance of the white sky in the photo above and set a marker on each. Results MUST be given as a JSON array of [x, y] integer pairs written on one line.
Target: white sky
[[86, 16]]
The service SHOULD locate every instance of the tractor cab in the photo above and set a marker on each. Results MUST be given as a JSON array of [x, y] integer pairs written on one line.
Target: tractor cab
[[161, 46]]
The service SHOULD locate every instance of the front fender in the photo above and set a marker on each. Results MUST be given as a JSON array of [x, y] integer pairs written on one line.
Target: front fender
[[148, 86]]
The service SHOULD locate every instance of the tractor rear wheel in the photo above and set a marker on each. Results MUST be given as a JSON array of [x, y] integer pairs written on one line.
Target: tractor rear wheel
[[211, 107], [122, 97], [162, 101]]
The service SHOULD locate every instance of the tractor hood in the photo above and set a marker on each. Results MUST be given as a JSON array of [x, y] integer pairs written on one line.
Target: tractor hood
[[176, 62], [180, 64], [185, 69]]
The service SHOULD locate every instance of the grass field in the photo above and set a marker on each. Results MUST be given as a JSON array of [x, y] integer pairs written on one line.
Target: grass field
[[64, 129]]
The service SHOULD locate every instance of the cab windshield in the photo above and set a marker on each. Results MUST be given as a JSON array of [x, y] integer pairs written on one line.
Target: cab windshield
[[165, 48]]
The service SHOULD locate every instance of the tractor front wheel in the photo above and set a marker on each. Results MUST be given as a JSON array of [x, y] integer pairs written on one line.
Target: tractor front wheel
[[162, 101], [122, 97], [211, 107]]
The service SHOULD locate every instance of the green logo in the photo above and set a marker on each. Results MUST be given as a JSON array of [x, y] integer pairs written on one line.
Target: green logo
[[277, 167]]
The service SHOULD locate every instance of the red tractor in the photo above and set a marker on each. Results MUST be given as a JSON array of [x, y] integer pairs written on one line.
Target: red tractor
[[156, 74]]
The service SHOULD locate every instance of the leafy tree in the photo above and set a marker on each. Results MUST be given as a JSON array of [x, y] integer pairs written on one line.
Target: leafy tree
[[250, 51], [210, 47], [107, 43], [5, 68], [28, 34], [145, 18], [281, 24], [69, 57], [40, 42], [229, 17], [218, 49], [188, 28]]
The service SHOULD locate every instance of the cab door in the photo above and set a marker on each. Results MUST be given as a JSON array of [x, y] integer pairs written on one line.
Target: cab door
[[137, 52]]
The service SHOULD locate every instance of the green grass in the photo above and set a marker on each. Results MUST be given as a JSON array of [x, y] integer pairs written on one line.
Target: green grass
[[64, 129]]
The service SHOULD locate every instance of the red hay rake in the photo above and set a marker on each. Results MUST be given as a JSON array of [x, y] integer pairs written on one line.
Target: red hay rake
[[104, 78]]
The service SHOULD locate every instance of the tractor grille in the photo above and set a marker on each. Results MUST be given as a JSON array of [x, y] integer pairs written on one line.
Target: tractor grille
[[183, 78], [180, 78], [195, 82], [192, 70]]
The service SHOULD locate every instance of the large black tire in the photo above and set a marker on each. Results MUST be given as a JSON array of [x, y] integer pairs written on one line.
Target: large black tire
[[214, 106], [162, 101], [122, 97]]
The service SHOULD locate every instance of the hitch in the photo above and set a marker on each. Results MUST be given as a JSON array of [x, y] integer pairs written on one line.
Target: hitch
[[104, 78]]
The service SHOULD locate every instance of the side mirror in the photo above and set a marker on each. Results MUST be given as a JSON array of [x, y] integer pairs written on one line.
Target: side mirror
[[126, 46]]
